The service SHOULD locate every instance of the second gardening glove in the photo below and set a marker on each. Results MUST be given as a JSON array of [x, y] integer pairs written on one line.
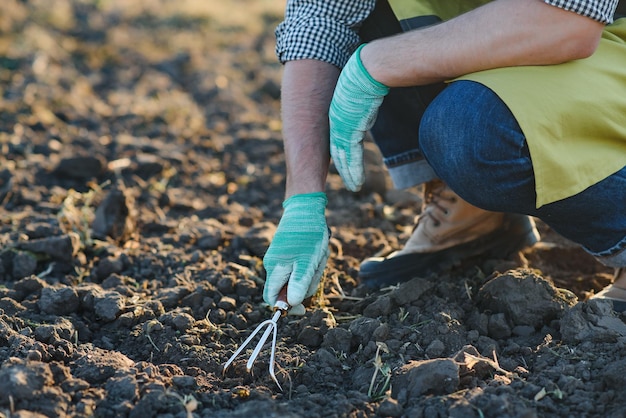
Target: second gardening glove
[[353, 111], [299, 250]]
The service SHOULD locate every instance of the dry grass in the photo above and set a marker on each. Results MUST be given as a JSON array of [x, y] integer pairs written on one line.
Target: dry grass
[[226, 14]]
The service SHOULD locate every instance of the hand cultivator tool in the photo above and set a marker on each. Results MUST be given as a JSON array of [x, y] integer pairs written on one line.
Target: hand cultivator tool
[[280, 309]]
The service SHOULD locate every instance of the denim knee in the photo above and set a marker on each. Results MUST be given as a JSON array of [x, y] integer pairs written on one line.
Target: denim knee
[[474, 144]]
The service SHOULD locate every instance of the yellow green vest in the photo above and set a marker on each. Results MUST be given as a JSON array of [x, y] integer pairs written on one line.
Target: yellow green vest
[[443, 9]]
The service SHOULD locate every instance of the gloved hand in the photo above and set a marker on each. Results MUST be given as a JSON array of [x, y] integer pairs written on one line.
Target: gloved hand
[[353, 111], [298, 252]]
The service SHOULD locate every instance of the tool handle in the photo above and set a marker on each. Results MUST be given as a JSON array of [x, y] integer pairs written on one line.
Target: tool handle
[[282, 295], [281, 303]]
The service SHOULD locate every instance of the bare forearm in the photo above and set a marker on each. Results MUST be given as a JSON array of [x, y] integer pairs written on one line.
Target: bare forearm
[[502, 33], [307, 90]]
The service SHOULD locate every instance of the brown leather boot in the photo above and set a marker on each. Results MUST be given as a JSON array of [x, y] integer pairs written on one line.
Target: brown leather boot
[[448, 231], [615, 292]]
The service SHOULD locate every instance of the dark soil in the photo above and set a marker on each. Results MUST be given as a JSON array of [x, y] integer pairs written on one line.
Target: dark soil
[[141, 179]]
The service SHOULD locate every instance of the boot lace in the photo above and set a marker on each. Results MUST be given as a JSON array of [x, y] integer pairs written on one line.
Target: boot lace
[[435, 200]]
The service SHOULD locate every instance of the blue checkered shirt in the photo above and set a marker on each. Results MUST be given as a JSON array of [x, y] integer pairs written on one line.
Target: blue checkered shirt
[[327, 30]]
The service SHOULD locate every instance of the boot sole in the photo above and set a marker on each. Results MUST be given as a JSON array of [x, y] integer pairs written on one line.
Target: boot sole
[[517, 232]]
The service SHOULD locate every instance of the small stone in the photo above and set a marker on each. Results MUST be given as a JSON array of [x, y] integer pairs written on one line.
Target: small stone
[[381, 333], [42, 229], [122, 387], [524, 297], [190, 339], [100, 365], [390, 408], [183, 321], [523, 330], [28, 286], [24, 381], [310, 336], [410, 291], [108, 305], [115, 216], [210, 235], [380, 307], [339, 339], [171, 297], [63, 247], [257, 239], [184, 382], [326, 358], [499, 327], [62, 329], [226, 284], [435, 348], [363, 329], [246, 287], [10, 307], [82, 167], [227, 303], [59, 301], [24, 265], [34, 355], [592, 321], [439, 376], [107, 266]]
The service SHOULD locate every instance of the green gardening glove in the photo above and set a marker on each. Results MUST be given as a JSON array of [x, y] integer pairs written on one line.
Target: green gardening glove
[[298, 252], [353, 111]]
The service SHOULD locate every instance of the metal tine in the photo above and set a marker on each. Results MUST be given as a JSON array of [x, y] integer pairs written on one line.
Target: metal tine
[[271, 326], [245, 343], [280, 308], [273, 357]]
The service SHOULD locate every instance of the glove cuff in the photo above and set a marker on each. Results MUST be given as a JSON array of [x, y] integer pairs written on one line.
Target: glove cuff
[[374, 83], [316, 199]]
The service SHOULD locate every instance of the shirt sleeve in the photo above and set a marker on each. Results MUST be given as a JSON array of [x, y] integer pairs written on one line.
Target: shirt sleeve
[[600, 10], [325, 30]]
